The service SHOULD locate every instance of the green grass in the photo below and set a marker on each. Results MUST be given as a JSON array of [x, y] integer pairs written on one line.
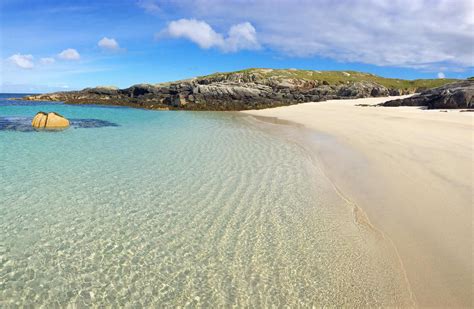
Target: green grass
[[337, 77]]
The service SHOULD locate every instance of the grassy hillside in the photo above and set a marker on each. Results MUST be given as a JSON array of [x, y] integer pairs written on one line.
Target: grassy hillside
[[337, 77]]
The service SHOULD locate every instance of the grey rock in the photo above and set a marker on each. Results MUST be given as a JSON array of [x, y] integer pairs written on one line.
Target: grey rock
[[454, 95], [234, 91]]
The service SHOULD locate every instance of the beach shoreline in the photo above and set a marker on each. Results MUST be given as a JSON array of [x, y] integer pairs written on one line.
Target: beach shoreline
[[410, 170], [185, 199]]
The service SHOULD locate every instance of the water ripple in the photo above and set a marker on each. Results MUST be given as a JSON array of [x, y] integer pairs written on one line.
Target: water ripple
[[175, 209]]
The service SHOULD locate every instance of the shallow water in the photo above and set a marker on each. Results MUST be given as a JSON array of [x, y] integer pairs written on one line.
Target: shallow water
[[178, 208]]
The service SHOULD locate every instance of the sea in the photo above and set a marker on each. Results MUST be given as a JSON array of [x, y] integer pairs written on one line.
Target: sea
[[139, 208]]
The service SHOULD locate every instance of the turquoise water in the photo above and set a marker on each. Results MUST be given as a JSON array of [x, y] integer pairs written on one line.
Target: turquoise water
[[156, 208]]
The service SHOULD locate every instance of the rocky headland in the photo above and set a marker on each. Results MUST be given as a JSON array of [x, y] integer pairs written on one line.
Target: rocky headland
[[454, 95], [246, 89]]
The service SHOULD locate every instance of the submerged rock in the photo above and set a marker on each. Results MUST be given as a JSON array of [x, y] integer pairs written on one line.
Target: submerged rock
[[23, 124], [44, 120]]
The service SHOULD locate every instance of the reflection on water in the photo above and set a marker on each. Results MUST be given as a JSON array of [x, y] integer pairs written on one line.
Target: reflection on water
[[178, 208]]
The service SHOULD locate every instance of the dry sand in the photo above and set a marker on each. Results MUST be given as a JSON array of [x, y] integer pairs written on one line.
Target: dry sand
[[411, 171]]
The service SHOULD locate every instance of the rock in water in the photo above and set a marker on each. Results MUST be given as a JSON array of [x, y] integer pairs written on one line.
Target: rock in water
[[39, 120], [44, 120]]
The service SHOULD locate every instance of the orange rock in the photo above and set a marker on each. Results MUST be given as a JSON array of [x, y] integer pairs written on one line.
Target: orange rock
[[49, 121]]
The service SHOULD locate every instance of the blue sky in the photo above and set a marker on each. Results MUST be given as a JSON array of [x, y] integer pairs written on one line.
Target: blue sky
[[61, 45]]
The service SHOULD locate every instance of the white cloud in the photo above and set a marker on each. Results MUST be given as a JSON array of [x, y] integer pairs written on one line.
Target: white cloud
[[69, 54], [441, 75], [108, 44], [423, 34], [47, 60], [22, 61], [196, 31], [240, 36], [150, 6]]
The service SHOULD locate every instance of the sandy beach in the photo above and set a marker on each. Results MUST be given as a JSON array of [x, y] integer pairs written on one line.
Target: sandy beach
[[411, 171]]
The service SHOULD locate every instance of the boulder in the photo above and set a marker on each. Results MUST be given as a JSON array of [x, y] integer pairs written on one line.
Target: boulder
[[44, 120], [454, 95]]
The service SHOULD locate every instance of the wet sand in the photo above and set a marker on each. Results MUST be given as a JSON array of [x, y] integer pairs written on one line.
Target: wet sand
[[411, 171]]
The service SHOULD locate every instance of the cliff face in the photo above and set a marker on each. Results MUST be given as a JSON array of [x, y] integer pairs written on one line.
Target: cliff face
[[454, 95], [248, 89]]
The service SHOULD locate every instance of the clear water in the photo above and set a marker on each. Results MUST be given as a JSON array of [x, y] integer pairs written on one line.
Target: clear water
[[174, 209]]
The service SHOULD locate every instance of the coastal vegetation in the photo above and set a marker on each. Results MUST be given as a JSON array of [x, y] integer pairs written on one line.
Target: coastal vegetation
[[247, 89], [339, 77]]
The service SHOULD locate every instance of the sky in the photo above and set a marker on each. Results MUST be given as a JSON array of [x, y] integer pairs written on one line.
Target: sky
[[50, 45]]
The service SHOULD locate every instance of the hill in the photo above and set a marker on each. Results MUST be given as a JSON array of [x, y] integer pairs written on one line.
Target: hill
[[247, 89]]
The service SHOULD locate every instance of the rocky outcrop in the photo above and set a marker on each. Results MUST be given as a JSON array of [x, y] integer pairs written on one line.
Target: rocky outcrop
[[23, 124], [454, 95], [49, 121], [248, 89]]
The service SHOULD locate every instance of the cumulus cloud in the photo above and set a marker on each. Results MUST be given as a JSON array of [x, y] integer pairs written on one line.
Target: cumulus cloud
[[108, 44], [69, 54], [196, 31], [240, 36], [441, 75], [47, 60], [22, 61], [423, 34], [150, 6]]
